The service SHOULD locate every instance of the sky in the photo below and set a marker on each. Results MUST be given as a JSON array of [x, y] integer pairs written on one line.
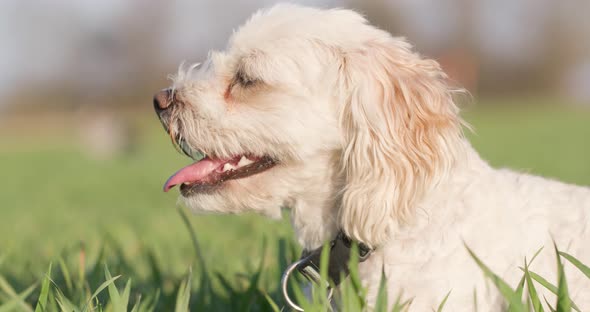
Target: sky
[[40, 38]]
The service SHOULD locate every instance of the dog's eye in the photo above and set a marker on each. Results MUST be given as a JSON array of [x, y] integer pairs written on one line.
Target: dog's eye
[[244, 80]]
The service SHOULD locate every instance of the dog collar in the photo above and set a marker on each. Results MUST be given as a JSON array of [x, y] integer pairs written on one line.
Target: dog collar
[[309, 265]]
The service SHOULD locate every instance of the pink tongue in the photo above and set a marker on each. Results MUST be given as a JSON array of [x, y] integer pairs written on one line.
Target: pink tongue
[[193, 172]]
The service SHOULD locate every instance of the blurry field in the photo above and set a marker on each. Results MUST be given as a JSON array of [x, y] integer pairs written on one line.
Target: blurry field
[[58, 202]]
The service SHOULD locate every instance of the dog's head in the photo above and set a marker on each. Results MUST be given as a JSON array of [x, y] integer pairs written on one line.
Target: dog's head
[[314, 110]]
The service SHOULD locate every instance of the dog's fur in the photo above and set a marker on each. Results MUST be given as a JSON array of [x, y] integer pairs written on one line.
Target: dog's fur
[[368, 139]]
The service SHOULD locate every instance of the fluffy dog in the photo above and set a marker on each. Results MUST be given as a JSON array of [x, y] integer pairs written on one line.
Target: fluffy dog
[[322, 113]]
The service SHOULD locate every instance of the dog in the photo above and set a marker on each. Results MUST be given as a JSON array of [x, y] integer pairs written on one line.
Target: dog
[[346, 126]]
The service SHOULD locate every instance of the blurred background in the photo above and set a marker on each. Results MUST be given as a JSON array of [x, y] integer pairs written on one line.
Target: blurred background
[[85, 54], [83, 157]]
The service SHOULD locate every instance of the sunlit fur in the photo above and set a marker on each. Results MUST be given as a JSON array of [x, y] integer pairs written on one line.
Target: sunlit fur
[[368, 140]]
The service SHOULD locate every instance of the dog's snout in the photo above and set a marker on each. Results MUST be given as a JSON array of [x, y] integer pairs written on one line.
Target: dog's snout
[[162, 100]]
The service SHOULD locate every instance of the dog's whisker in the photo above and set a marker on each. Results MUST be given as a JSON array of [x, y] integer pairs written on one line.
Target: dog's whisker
[[194, 66]]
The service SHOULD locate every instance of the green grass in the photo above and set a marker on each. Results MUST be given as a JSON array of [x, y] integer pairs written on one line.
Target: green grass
[[62, 207]]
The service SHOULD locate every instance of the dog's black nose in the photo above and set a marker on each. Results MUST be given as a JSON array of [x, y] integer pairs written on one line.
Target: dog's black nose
[[162, 100]]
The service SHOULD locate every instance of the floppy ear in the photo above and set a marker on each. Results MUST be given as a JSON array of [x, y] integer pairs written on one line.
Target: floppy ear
[[400, 129]]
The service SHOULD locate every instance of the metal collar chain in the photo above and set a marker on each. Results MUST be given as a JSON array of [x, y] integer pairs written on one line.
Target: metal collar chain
[[309, 265]]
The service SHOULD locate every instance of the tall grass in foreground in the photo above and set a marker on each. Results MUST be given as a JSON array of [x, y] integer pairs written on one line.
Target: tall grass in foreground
[[76, 289]]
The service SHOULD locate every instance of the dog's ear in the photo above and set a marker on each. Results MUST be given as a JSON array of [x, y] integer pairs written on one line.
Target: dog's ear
[[400, 130]]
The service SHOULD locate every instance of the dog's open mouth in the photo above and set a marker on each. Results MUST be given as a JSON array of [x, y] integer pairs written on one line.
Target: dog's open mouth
[[208, 173]]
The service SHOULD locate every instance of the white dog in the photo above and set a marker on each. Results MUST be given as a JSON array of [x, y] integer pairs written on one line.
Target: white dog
[[322, 113]]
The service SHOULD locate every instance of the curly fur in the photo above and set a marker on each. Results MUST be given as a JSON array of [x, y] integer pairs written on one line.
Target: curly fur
[[368, 139]]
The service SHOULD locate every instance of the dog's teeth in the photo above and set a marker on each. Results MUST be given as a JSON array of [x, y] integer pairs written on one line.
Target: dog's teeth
[[228, 167], [244, 161]]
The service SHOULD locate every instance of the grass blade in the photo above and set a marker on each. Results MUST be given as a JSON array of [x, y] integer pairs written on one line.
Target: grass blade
[[155, 271], [66, 274], [125, 296], [325, 281], [381, 303], [253, 295], [564, 303], [548, 305], [520, 287], [300, 298], [114, 296], [150, 302], [541, 280], [508, 293], [44, 295], [442, 304], [195, 241], [184, 294], [81, 266], [19, 300], [582, 267], [521, 283], [357, 288], [99, 290], [537, 306], [552, 288], [401, 306], [535, 255], [272, 303], [137, 304], [65, 305]]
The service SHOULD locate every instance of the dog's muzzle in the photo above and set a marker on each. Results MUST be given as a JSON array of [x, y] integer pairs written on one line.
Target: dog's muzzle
[[164, 104]]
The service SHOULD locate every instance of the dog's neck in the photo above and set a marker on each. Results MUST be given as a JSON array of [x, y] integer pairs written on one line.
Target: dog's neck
[[315, 214], [315, 201]]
